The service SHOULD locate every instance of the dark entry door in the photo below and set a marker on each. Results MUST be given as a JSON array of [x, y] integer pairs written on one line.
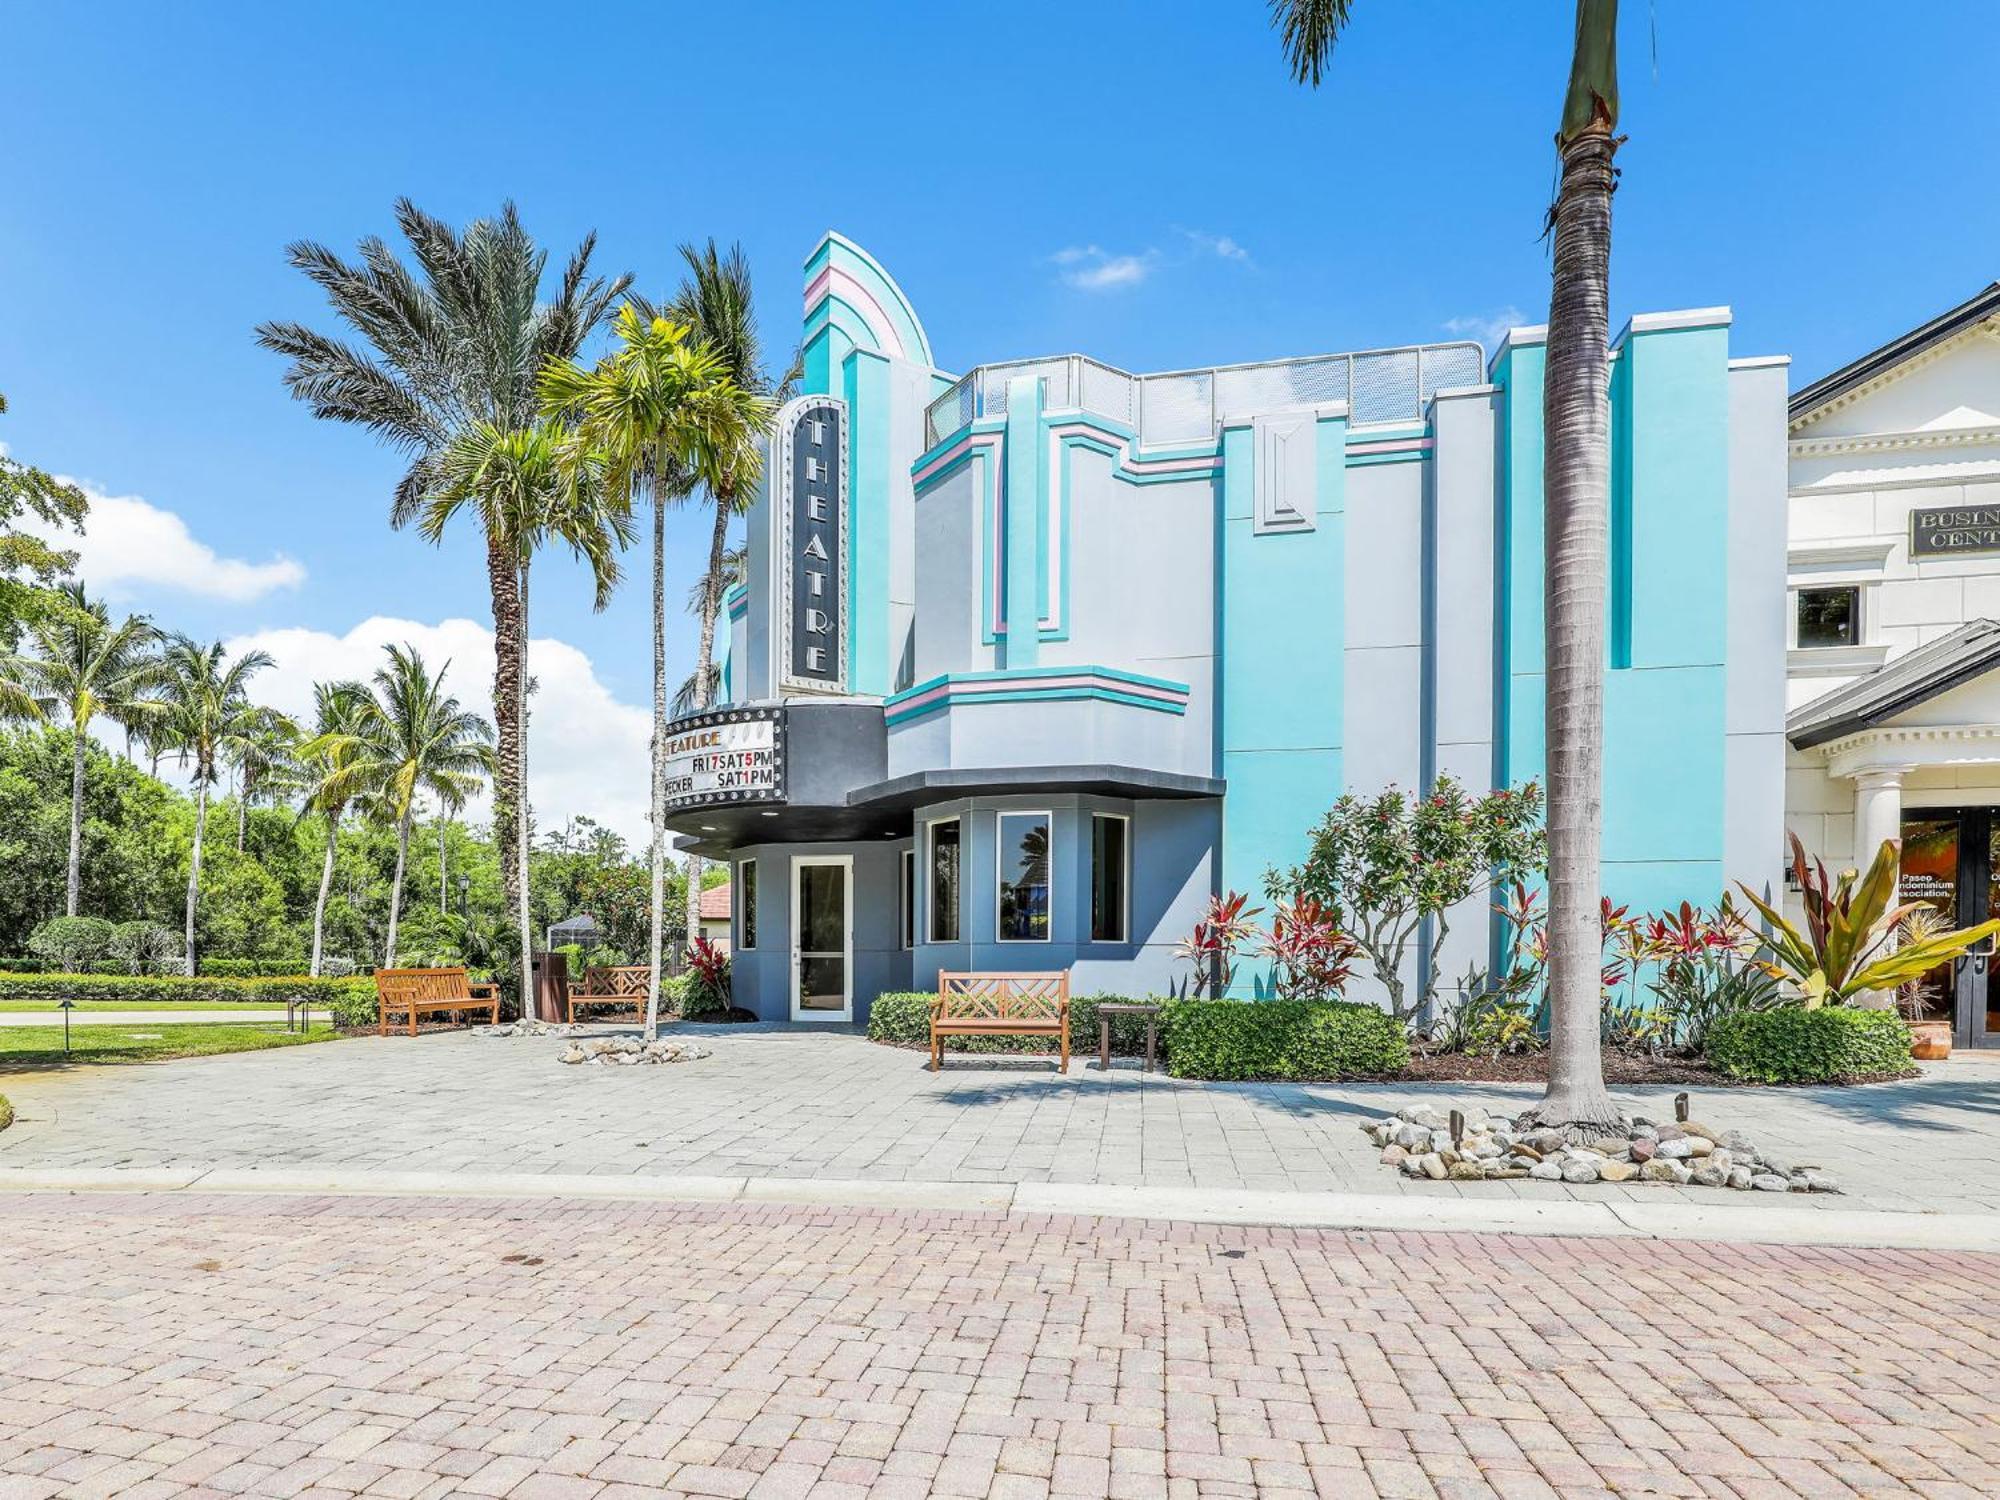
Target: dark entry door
[[1951, 860]]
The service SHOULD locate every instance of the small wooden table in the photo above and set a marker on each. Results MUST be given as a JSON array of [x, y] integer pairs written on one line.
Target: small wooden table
[[1104, 1015]]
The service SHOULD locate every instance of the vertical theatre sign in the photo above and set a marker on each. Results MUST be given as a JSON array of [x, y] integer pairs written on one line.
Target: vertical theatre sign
[[811, 481]]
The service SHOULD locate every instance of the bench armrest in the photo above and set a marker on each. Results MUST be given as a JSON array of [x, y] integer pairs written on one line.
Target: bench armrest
[[485, 989]]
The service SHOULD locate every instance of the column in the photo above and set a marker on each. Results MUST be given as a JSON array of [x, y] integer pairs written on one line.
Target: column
[[1878, 810]]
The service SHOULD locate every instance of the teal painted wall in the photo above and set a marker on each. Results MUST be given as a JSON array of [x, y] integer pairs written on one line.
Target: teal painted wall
[[1667, 607], [865, 384], [1283, 638]]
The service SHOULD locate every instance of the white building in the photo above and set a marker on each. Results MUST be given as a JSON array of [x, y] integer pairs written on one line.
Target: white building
[[1893, 635]]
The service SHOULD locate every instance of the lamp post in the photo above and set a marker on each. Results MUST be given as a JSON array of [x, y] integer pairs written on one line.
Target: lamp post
[[67, 1007], [464, 896]]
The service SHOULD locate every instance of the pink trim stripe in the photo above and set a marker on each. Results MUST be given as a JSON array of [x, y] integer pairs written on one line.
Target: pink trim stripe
[[1394, 445], [987, 687], [835, 282], [952, 454]]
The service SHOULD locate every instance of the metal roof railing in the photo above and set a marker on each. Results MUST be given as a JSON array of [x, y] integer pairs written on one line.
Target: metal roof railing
[[1181, 406]]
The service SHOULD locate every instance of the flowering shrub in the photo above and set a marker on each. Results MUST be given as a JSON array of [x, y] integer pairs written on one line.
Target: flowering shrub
[[1213, 945], [707, 979], [1311, 958]]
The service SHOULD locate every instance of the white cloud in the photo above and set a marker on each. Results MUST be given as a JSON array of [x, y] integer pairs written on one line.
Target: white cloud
[[129, 543], [1488, 328], [587, 752], [1221, 246], [1090, 268]]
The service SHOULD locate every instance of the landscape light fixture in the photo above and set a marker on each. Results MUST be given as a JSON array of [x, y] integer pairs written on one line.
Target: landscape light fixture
[[67, 1007]]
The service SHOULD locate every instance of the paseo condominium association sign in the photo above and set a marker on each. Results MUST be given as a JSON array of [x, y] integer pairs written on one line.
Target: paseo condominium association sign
[[733, 756]]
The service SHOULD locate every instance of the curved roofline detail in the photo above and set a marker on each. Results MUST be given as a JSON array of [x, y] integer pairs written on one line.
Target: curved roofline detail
[[826, 277]]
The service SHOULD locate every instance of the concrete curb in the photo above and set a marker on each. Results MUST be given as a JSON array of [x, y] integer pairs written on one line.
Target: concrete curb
[[1747, 1225]]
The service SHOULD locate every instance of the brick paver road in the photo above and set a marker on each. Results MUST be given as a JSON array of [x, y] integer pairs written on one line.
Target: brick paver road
[[423, 1347]]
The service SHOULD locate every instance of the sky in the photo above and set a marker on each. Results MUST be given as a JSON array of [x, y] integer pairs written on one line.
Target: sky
[[1141, 182]]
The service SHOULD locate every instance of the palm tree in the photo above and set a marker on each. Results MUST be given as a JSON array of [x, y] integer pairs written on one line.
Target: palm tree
[[411, 737], [205, 711], [260, 755], [715, 304], [693, 693], [332, 774], [656, 411], [82, 667], [461, 339], [1576, 508]]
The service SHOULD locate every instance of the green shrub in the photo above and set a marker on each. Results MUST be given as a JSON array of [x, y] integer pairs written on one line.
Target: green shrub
[[21, 965], [72, 941], [1795, 1045], [152, 989], [1299, 1040], [251, 968], [903, 1019], [6, 1112]]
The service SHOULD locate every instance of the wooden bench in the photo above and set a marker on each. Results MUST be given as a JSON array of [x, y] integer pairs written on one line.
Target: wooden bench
[[1000, 1005], [431, 991], [607, 984]]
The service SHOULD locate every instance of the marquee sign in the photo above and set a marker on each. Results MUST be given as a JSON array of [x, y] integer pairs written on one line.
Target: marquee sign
[[1954, 530], [810, 499], [731, 755]]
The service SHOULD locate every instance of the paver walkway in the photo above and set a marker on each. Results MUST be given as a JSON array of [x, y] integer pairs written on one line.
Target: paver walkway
[[163, 1346], [791, 1104]]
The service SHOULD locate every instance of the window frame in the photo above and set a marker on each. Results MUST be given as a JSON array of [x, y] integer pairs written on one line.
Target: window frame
[[1048, 818], [744, 903], [930, 880], [1859, 594], [906, 892], [1124, 937]]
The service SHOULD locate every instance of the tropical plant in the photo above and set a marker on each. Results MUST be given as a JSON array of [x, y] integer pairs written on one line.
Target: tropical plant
[[81, 668], [529, 491], [1311, 958], [1704, 968], [205, 711], [1389, 870], [30, 564], [689, 695], [1217, 938], [411, 737], [708, 978], [657, 412], [261, 754], [145, 947], [460, 340], [1576, 523], [332, 773], [1847, 948], [1915, 997]]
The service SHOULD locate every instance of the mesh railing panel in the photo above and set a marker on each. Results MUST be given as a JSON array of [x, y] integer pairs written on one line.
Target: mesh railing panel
[[1177, 408], [1106, 391], [1444, 367], [1273, 387], [1384, 387], [953, 410]]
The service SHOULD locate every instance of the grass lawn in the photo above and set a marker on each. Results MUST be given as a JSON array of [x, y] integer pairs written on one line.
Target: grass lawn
[[29, 1048], [203, 1005]]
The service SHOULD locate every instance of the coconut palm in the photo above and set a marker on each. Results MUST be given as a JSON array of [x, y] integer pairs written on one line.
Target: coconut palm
[[529, 491], [459, 340], [331, 773], [81, 668], [205, 712], [260, 755], [693, 693], [1575, 527], [411, 737], [656, 411]]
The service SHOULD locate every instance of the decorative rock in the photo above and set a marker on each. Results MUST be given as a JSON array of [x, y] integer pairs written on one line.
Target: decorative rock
[[1643, 1148], [1822, 1182], [1660, 1170], [1522, 1148], [1695, 1128], [1546, 1171], [1548, 1142], [1433, 1167], [1579, 1169], [1413, 1165], [1700, 1145], [1739, 1178], [1464, 1171], [1675, 1150], [1609, 1145], [1771, 1182], [1720, 1158], [1665, 1133], [1413, 1137], [529, 1027], [1394, 1156], [1708, 1176], [1617, 1171]]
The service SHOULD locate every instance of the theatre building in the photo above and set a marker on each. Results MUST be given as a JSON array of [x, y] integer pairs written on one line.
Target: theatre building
[[1894, 627], [1034, 657]]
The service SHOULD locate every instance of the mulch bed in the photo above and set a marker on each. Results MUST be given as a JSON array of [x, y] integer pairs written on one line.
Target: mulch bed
[[1621, 1069]]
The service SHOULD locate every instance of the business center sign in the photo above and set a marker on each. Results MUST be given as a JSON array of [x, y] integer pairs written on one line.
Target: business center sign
[[731, 755], [809, 482], [1954, 530]]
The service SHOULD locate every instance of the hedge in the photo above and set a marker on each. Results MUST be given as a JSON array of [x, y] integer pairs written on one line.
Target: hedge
[[6, 1112], [152, 989], [1289, 1040], [902, 1019], [1795, 1045], [250, 968]]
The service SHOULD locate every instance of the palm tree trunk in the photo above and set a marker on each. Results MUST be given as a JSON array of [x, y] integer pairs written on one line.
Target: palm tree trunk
[[521, 811], [443, 824], [1576, 523], [659, 785], [503, 582], [75, 888], [325, 886], [243, 809], [704, 675], [396, 889], [194, 866]]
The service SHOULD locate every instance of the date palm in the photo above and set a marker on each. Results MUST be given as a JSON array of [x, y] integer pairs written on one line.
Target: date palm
[[81, 667], [655, 412], [458, 340], [205, 711], [1576, 523], [529, 491], [410, 737]]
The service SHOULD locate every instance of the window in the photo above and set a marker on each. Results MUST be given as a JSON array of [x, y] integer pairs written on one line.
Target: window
[[944, 881], [1830, 616], [1023, 892], [1110, 864], [909, 898], [746, 904]]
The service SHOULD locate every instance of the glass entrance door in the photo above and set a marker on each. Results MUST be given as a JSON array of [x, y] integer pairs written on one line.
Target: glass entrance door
[[1951, 861], [822, 938]]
